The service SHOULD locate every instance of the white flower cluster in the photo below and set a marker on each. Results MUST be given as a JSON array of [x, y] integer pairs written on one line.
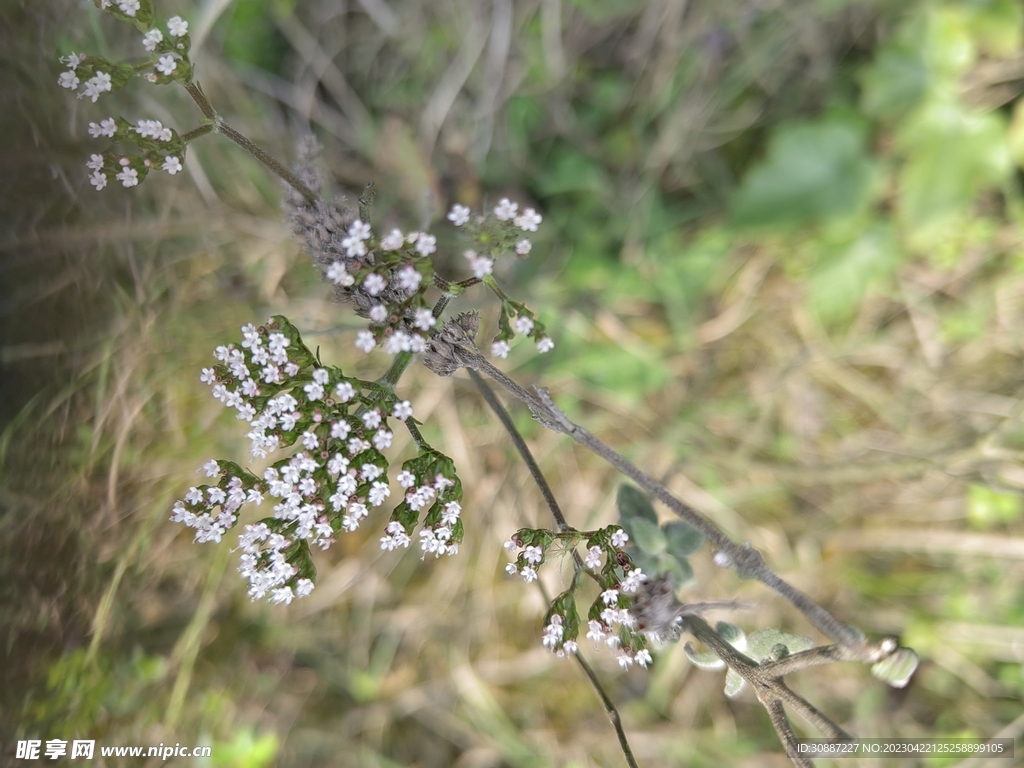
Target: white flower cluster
[[330, 485], [154, 129], [262, 547], [209, 526], [612, 614], [101, 82], [176, 27], [127, 7], [553, 634]]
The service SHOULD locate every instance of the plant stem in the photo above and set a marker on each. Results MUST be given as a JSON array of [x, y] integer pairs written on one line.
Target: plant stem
[[524, 450], [245, 143]]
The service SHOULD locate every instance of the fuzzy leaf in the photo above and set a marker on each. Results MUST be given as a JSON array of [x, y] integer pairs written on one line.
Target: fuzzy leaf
[[896, 670], [762, 643], [682, 539], [679, 567], [703, 659], [733, 635], [633, 503], [733, 684], [647, 536]]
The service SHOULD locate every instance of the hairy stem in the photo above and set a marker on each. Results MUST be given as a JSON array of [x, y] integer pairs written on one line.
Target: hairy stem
[[245, 143], [524, 451]]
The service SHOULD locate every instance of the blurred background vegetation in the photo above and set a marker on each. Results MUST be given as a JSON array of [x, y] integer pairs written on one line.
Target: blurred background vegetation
[[782, 261]]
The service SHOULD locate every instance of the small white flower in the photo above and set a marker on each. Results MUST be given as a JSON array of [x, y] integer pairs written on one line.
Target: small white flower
[[68, 80], [107, 127], [378, 493], [510, 546], [177, 26], [403, 410], [458, 215], [303, 587], [337, 274], [72, 60], [409, 279], [95, 162], [722, 560], [152, 39], [533, 555], [424, 319], [393, 241], [511, 569], [359, 230], [98, 180], [619, 539], [500, 349], [166, 65], [523, 247], [365, 341], [378, 313], [129, 177], [523, 325], [382, 439], [97, 84], [505, 209], [372, 418], [529, 574], [374, 284], [426, 244], [128, 7], [344, 391], [528, 220], [481, 265], [545, 344], [172, 165], [354, 247]]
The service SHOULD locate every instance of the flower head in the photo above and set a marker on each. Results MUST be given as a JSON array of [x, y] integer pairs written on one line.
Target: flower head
[[177, 26]]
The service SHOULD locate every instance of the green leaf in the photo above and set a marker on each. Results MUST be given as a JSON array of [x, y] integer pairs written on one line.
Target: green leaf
[[683, 539], [733, 635], [761, 644], [894, 82], [703, 659], [838, 284], [647, 536], [987, 507], [680, 568], [633, 503], [897, 669], [813, 171], [952, 154], [733, 683]]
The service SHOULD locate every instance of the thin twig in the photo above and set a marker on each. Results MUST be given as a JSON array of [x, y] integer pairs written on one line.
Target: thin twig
[[247, 144], [524, 451], [610, 710]]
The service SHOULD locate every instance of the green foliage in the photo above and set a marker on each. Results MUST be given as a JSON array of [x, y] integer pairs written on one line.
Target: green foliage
[[632, 504], [987, 507], [656, 549], [252, 36], [839, 281], [952, 153], [813, 171], [246, 750]]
